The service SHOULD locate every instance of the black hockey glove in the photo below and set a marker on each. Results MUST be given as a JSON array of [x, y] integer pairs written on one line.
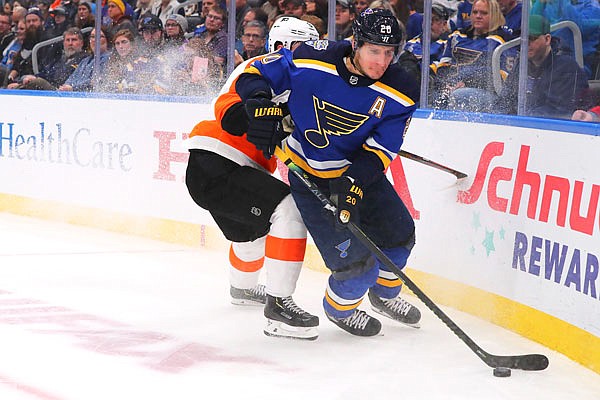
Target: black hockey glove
[[264, 125], [347, 194]]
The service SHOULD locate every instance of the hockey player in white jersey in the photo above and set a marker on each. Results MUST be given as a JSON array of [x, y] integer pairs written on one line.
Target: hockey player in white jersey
[[230, 178]]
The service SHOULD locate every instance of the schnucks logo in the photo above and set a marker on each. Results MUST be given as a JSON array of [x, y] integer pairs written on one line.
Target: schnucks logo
[[574, 210]]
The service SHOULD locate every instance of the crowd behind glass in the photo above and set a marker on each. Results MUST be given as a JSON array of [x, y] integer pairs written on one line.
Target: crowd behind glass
[[168, 47]]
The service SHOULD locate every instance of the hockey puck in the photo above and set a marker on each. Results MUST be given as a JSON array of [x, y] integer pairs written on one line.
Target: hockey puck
[[501, 372]]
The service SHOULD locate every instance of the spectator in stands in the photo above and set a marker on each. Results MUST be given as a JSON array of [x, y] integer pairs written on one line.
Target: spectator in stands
[[255, 14], [6, 33], [84, 17], [54, 75], [214, 36], [584, 13], [241, 8], [415, 19], [463, 14], [163, 8], [254, 39], [18, 14], [251, 15], [9, 53], [70, 7], [344, 15], [119, 19], [205, 74], [23, 63], [271, 8], [7, 7], [175, 30], [82, 79], [44, 7], [555, 81], [410, 59], [360, 5], [512, 10], [318, 8], [591, 115], [401, 10], [60, 22], [466, 68], [206, 6], [115, 77], [142, 8], [297, 8], [151, 30]]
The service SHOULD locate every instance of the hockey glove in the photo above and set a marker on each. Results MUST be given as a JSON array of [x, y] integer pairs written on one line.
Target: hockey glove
[[264, 125], [347, 194]]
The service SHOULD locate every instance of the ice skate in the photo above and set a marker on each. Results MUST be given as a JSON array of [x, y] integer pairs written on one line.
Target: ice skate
[[256, 296], [397, 309], [359, 323], [286, 319]]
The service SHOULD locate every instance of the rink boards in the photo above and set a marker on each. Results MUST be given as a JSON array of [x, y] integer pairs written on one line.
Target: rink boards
[[517, 242]]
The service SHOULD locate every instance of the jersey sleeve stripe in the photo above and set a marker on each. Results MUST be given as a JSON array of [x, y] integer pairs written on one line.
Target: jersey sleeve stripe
[[316, 65], [393, 93], [382, 155], [252, 70]]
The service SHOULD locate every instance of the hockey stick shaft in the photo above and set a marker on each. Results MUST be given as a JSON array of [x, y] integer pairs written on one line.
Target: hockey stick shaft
[[423, 160], [525, 362]]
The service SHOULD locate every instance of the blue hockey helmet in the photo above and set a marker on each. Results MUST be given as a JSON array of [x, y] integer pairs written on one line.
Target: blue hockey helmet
[[377, 26]]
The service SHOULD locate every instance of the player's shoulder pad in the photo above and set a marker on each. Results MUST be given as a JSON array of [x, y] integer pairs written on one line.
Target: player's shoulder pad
[[268, 58], [323, 50], [398, 79]]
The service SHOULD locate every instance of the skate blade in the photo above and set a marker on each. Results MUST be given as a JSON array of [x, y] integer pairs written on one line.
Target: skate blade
[[246, 302], [415, 325], [282, 330]]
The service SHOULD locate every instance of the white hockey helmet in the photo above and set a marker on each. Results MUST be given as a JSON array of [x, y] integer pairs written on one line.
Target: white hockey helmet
[[287, 30]]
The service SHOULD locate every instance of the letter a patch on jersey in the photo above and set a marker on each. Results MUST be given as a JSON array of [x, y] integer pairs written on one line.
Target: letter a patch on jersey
[[343, 248]]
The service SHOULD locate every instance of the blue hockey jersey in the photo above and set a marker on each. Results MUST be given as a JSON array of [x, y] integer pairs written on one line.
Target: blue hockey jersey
[[337, 114]]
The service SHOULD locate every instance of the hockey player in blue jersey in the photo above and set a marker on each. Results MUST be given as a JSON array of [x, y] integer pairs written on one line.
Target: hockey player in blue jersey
[[351, 107]]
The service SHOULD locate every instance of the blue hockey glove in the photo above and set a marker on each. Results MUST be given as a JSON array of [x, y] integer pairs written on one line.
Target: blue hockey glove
[[347, 194], [264, 125]]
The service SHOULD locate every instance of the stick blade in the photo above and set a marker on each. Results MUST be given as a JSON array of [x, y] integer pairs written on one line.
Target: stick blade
[[527, 362]]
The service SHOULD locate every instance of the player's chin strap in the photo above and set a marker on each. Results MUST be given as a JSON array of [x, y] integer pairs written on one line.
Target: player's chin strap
[[531, 362]]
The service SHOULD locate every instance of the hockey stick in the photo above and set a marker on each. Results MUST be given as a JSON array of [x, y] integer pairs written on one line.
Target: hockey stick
[[528, 362], [423, 160]]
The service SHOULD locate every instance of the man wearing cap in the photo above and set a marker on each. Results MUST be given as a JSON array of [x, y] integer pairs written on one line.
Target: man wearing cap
[[297, 8], [58, 22], [118, 17], [554, 81], [175, 29], [410, 59], [23, 63], [344, 15], [152, 32]]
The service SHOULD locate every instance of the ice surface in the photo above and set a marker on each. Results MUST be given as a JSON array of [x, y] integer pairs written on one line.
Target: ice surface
[[87, 314]]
